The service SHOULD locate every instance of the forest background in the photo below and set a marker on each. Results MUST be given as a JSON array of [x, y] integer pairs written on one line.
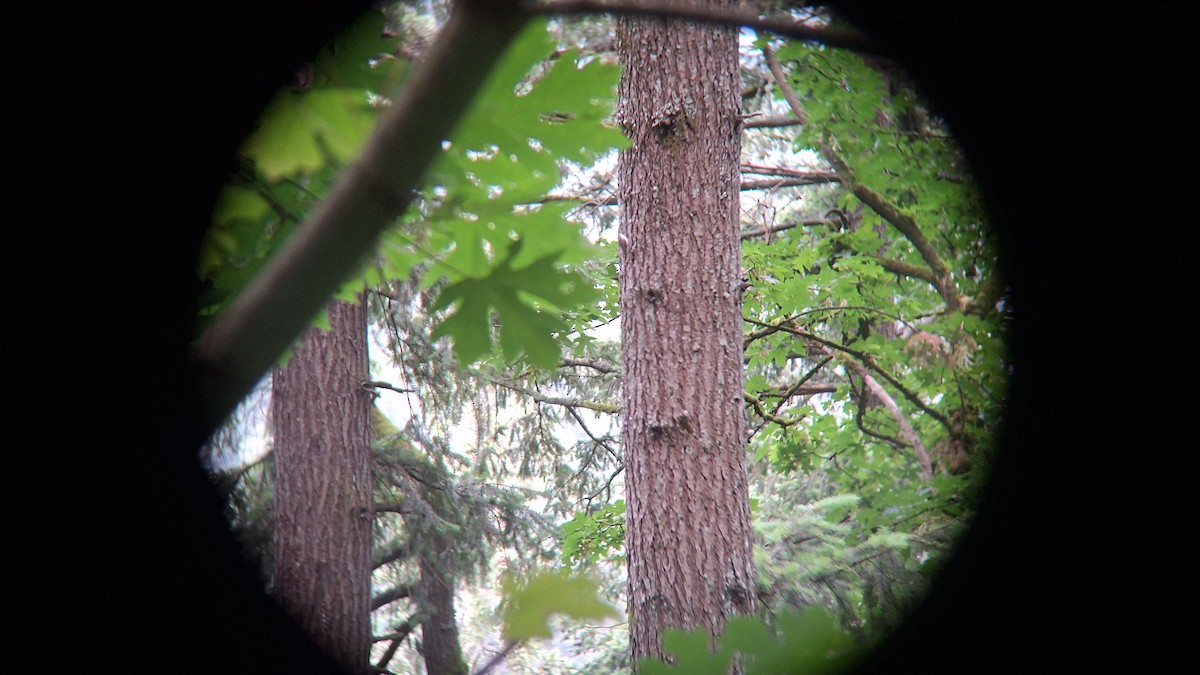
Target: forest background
[[191, 571], [874, 312]]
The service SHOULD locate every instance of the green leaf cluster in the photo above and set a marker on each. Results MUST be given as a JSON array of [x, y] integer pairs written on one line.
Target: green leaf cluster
[[290, 160], [530, 602], [591, 537], [522, 301], [807, 642], [533, 118], [500, 260]]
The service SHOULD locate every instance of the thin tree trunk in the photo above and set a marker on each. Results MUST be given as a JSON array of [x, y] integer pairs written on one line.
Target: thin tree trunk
[[684, 432], [439, 632], [323, 486]]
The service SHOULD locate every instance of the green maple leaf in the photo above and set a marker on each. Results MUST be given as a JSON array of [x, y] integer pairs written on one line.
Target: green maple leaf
[[299, 131], [529, 605], [526, 303]]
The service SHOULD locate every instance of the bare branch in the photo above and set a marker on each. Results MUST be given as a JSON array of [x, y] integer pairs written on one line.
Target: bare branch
[[500, 656], [827, 176], [595, 364], [816, 178], [392, 594], [763, 231], [833, 37], [781, 81], [402, 631], [906, 427], [864, 358], [772, 122], [556, 400], [376, 384]]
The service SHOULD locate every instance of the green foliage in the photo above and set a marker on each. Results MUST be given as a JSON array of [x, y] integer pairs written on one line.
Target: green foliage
[[300, 132], [290, 160], [524, 326], [807, 642], [508, 152], [477, 234], [848, 528], [590, 537], [328, 119], [529, 603]]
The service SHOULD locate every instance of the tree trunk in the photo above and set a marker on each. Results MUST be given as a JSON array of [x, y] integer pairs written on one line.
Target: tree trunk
[[688, 517], [323, 486], [439, 632]]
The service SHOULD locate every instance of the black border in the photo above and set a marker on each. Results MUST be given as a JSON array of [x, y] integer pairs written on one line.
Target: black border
[[129, 118]]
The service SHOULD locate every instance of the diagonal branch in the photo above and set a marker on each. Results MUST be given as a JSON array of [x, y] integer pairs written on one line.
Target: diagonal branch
[[833, 37], [902, 222], [864, 358], [940, 275], [392, 594], [367, 197], [906, 427], [781, 81], [555, 400], [598, 441]]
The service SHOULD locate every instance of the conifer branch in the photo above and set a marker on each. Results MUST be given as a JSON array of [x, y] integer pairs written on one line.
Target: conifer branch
[[595, 364], [397, 592], [556, 400]]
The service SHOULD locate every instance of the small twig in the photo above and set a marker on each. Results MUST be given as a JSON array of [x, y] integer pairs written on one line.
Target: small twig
[[607, 485], [862, 357], [500, 656], [756, 403], [801, 389], [598, 441], [595, 364]]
